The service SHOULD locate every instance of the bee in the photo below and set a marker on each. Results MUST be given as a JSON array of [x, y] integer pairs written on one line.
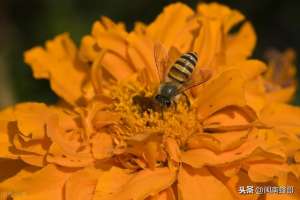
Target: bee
[[175, 72]]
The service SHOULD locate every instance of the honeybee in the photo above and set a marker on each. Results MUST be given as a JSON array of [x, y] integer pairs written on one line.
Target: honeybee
[[175, 71]]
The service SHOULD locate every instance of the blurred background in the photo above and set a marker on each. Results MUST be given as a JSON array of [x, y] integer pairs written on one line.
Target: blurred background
[[27, 23]]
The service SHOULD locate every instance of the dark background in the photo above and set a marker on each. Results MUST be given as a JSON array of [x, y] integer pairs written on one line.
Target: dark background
[[27, 23]]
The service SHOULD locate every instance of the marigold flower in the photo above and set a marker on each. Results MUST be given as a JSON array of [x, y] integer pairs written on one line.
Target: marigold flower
[[98, 143]]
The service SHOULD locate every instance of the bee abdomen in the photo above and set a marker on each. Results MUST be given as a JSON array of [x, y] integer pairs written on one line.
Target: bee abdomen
[[183, 68]]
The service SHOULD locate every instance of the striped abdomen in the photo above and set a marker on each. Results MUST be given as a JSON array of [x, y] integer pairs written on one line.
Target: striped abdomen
[[181, 71]]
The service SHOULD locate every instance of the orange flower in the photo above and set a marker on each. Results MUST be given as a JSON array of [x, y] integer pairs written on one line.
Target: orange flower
[[101, 143]]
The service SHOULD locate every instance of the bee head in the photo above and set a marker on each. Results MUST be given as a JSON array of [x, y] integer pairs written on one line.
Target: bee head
[[164, 101]]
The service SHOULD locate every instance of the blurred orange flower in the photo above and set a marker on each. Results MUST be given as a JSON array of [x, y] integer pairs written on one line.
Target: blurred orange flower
[[98, 144]]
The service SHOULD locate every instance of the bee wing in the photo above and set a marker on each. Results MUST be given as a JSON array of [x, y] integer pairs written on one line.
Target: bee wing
[[205, 76], [161, 60], [173, 55]]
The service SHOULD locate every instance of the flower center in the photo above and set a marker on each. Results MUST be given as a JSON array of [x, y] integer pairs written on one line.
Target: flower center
[[140, 119]]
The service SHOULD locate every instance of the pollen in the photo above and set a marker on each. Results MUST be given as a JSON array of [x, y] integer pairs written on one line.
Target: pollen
[[140, 120]]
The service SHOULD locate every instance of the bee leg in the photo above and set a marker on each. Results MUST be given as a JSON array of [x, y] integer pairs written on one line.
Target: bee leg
[[175, 105], [161, 112], [187, 100]]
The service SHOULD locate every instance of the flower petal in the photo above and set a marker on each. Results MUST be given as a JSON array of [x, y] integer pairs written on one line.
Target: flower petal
[[167, 194], [204, 157], [208, 43], [241, 44], [267, 172], [225, 90], [250, 69], [81, 185], [201, 184], [54, 62], [118, 67], [168, 27], [141, 54], [282, 95], [216, 11], [120, 184], [88, 49], [45, 184], [173, 149], [32, 119], [282, 116], [102, 146]]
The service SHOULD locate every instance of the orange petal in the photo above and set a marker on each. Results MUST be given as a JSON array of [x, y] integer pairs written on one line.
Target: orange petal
[[45, 184], [120, 184], [105, 118], [228, 117], [67, 148], [226, 90], [32, 119], [168, 27], [295, 195], [167, 194], [173, 149], [201, 184], [282, 116], [282, 95], [81, 185], [250, 69], [141, 54], [118, 67], [241, 44], [102, 146], [208, 43], [88, 49], [113, 41], [267, 172], [54, 62], [201, 157], [216, 11], [241, 180], [218, 142]]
